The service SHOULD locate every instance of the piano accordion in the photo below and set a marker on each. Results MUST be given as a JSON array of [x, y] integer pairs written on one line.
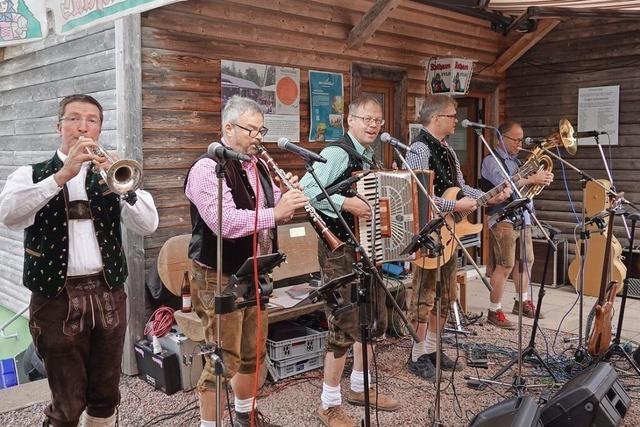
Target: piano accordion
[[400, 210]]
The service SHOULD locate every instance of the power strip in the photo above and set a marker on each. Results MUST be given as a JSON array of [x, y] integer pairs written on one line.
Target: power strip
[[477, 358]]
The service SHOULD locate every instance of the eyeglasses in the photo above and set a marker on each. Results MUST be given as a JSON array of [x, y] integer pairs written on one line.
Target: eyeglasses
[[370, 120], [92, 122], [520, 140], [253, 133], [451, 116]]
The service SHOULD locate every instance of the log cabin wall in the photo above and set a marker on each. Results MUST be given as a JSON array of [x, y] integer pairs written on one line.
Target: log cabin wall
[[542, 88], [182, 46]]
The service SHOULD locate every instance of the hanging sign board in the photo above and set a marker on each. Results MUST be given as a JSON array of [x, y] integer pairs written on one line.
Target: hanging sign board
[[449, 75]]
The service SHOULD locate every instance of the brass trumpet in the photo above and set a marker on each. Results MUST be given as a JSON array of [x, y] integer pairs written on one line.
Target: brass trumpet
[[563, 138], [123, 176]]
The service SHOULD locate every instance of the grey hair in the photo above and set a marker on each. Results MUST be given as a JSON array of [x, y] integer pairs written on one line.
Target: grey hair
[[434, 104], [361, 101], [237, 106]]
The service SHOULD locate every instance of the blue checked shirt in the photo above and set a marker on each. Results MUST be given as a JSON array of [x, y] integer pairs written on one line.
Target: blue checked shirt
[[337, 163], [418, 159]]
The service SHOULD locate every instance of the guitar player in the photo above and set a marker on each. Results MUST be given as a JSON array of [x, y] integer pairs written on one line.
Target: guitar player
[[431, 151], [503, 238]]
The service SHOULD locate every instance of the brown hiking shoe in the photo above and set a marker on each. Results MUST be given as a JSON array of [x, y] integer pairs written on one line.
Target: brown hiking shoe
[[381, 402], [335, 416], [497, 318], [528, 309]]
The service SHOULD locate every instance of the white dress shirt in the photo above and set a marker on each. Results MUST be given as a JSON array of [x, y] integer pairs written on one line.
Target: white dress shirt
[[21, 199]]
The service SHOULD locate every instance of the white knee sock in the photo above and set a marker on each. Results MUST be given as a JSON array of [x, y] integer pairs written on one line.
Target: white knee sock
[[90, 421], [331, 396], [495, 306], [525, 296], [204, 423], [243, 405], [357, 381], [431, 342], [418, 349]]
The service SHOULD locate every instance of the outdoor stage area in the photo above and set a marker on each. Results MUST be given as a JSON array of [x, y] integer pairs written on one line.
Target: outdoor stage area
[[294, 401]]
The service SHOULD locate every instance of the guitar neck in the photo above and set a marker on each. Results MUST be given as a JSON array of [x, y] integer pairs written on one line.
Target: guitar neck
[[607, 259], [484, 199]]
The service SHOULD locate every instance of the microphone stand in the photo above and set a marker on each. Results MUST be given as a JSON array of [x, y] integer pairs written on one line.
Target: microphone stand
[[581, 352], [518, 382], [369, 269], [437, 300]]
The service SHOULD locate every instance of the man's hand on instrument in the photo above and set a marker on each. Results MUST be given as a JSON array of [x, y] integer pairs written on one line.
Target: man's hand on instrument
[[501, 196], [82, 151], [293, 180], [357, 207], [466, 204], [289, 202], [541, 178]]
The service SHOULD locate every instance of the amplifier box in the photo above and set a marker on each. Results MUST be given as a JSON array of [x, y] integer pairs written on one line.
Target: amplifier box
[[159, 370], [190, 366], [557, 268]]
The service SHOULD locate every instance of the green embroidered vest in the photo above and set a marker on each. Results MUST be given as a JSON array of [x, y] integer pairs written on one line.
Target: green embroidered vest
[[46, 242]]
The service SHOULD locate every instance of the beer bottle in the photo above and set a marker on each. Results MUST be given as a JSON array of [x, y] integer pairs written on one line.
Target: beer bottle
[[185, 292]]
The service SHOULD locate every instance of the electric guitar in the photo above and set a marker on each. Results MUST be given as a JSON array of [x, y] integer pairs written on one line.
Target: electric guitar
[[458, 221]]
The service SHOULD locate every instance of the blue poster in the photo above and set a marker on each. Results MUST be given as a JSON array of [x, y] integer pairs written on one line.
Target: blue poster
[[326, 106]]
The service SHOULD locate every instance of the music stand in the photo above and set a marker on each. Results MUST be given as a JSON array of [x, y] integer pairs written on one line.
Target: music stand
[[240, 284]]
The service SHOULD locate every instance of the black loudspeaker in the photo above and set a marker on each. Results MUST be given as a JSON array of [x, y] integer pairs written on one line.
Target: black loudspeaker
[[520, 411], [594, 397]]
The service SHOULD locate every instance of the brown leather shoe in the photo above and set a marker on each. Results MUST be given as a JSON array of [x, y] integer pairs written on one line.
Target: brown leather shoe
[[335, 416], [497, 318], [528, 309], [383, 402]]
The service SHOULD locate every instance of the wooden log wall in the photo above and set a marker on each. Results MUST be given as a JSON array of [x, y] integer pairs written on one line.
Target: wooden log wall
[[542, 88], [34, 77], [182, 46]]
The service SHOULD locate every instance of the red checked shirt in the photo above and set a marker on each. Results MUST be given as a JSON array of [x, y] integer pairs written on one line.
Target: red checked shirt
[[202, 190]]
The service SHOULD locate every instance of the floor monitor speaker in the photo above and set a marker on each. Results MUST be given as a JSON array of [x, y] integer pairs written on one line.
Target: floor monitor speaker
[[520, 411]]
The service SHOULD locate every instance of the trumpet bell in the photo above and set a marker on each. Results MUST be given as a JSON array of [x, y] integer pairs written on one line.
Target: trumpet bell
[[565, 131], [124, 176]]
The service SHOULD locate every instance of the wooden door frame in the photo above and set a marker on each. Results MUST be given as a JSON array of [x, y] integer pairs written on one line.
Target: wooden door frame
[[397, 75]]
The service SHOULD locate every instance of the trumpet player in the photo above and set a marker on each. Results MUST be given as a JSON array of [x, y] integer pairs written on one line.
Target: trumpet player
[[75, 267], [503, 238], [247, 188]]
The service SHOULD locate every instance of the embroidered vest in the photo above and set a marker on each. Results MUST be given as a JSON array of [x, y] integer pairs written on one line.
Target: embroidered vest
[[441, 162], [355, 164], [46, 242]]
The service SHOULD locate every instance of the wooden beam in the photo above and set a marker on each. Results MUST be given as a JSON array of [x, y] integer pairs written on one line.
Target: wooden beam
[[129, 112], [370, 22], [522, 46]]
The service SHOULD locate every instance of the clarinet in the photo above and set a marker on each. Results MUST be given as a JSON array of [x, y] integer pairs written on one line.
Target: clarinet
[[330, 239]]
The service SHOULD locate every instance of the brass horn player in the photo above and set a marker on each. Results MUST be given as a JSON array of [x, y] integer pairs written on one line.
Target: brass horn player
[[562, 138]]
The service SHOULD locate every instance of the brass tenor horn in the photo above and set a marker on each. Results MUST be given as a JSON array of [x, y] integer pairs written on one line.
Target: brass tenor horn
[[123, 176], [563, 138]]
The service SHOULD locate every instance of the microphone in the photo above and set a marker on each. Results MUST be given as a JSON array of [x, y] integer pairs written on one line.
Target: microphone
[[533, 141], [220, 152], [589, 134], [307, 155], [342, 185], [388, 139], [466, 123]]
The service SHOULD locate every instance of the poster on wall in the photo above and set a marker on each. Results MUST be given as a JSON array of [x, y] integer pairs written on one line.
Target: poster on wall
[[22, 21], [449, 75], [276, 89], [326, 106], [598, 109]]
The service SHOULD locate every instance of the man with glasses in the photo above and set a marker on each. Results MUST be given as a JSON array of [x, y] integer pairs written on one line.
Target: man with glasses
[[431, 151], [503, 238], [352, 152], [248, 190], [75, 267]]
